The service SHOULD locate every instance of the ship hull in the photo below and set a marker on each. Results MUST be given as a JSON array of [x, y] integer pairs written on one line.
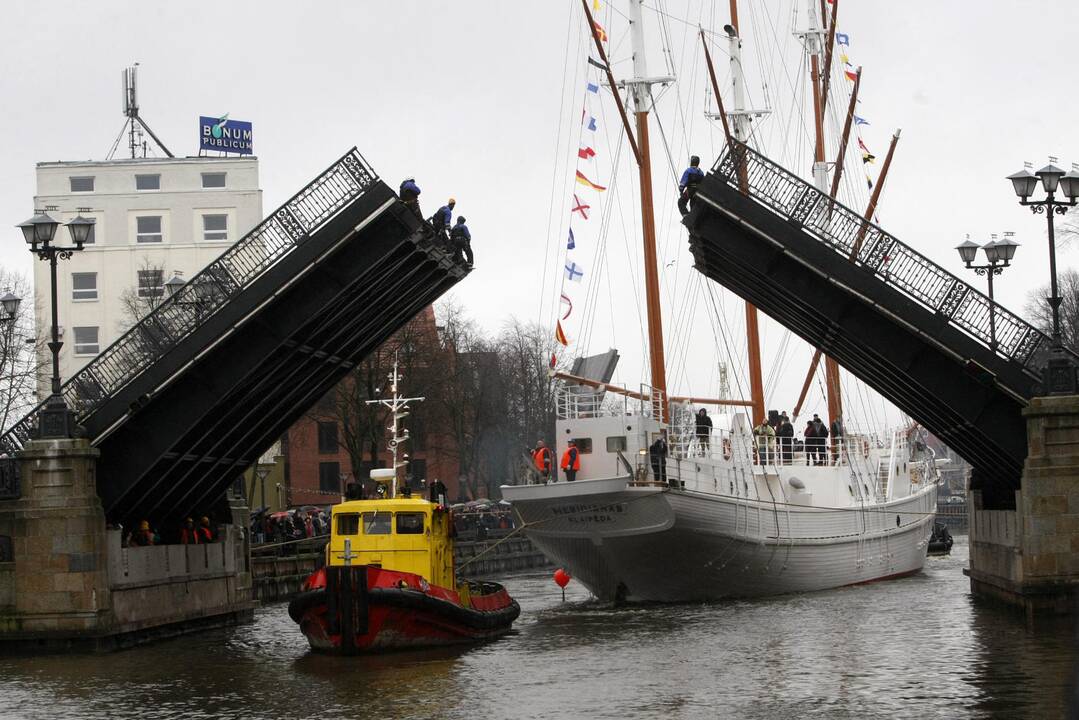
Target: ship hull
[[671, 545], [397, 612]]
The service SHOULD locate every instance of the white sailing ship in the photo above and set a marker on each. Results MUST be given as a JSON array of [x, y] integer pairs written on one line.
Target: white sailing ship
[[723, 518]]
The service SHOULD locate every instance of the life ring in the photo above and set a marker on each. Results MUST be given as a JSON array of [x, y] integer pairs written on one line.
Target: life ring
[[726, 448], [865, 448]]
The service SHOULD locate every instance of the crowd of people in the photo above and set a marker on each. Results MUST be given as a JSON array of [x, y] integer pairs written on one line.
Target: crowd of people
[[775, 441], [296, 524], [481, 520]]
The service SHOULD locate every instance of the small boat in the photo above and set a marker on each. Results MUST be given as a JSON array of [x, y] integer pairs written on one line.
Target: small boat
[[940, 542], [389, 580]]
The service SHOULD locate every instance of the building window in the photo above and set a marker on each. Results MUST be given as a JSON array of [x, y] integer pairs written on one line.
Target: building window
[[148, 229], [147, 182], [215, 227], [84, 286], [82, 184], [91, 237], [151, 283], [86, 341], [213, 180], [329, 477], [327, 437]]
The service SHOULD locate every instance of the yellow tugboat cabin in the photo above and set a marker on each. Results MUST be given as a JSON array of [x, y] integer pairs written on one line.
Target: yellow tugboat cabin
[[404, 534]]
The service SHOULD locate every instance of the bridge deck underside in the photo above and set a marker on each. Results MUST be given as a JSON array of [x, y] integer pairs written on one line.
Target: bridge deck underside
[[907, 353], [194, 422]]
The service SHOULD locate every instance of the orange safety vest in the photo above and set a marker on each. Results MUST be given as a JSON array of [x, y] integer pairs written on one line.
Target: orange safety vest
[[576, 459], [189, 536], [542, 458]]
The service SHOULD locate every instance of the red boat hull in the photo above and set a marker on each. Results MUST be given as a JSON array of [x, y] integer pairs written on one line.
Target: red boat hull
[[398, 611]]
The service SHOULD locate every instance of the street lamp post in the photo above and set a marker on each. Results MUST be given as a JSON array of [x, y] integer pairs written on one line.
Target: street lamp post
[[1060, 376], [55, 420], [999, 254]]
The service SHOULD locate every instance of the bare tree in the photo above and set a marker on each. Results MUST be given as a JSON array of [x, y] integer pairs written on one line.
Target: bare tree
[[142, 298], [24, 363], [1040, 312]]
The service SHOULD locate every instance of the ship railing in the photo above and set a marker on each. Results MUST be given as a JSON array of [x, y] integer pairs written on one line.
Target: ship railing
[[573, 402], [854, 449], [895, 264]]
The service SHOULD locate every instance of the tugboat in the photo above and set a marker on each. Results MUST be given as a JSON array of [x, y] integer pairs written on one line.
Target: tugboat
[[389, 580]]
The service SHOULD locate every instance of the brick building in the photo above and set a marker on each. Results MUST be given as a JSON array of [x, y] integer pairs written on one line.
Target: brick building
[[322, 451]]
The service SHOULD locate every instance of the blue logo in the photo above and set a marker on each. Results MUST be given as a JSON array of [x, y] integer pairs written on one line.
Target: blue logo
[[224, 135]]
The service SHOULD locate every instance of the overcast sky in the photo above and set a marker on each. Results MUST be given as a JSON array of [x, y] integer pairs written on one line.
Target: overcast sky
[[477, 100]]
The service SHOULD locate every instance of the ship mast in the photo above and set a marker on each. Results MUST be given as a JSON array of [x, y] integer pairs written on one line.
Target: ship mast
[[814, 38], [640, 87], [739, 116], [398, 407]]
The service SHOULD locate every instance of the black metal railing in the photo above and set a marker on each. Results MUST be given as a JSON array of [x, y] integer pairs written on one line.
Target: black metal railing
[[204, 294], [895, 264]]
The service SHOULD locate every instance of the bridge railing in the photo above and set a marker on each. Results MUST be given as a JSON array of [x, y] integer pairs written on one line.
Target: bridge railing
[[188, 308], [893, 263]]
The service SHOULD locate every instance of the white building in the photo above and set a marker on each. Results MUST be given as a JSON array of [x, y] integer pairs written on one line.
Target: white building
[[153, 217]]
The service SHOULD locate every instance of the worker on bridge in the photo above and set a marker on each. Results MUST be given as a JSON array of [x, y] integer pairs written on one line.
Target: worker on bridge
[[189, 534], [410, 195], [441, 219], [543, 459], [687, 186], [206, 533], [144, 536], [571, 461], [461, 239]]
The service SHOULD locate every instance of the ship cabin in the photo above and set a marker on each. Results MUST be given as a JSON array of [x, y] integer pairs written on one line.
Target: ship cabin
[[405, 534]]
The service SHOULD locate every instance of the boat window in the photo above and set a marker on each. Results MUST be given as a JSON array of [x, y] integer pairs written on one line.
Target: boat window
[[348, 524], [584, 445], [616, 443], [377, 523], [409, 523]]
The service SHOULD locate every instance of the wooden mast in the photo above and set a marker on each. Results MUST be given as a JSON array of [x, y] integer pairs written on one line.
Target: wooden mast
[[741, 134], [857, 246], [640, 147]]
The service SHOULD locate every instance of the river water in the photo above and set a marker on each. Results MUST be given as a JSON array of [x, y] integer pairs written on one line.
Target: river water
[[915, 647]]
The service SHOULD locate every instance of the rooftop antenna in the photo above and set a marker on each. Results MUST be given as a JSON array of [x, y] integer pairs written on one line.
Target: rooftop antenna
[[134, 125]]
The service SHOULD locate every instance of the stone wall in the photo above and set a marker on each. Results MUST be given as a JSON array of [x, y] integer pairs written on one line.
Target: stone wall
[[1029, 557]]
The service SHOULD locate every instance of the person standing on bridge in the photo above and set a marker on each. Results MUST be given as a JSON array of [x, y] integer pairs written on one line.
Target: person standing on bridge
[[410, 195], [461, 240], [206, 533], [687, 186], [766, 439], [441, 219], [820, 441], [189, 534], [571, 461]]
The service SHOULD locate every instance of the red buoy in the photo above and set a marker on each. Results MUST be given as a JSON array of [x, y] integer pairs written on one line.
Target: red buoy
[[561, 577]]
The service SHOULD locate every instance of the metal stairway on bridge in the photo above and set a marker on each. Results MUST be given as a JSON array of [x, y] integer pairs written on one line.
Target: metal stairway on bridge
[[906, 327], [189, 397]]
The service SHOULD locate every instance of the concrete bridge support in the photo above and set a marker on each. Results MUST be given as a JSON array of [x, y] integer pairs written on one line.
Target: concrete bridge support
[[67, 582], [1029, 557]]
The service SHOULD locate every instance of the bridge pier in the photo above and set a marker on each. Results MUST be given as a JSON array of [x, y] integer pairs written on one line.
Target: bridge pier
[[1029, 557], [66, 581]]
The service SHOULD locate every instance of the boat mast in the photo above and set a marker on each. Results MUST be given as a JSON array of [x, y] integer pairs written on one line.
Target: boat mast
[[820, 181], [740, 129], [640, 89], [398, 407]]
